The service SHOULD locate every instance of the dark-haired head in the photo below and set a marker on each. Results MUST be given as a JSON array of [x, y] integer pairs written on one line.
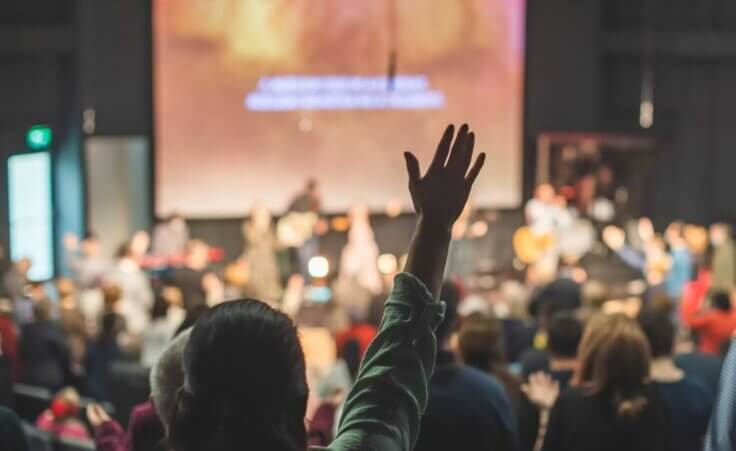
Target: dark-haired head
[[481, 342], [660, 331], [245, 383], [564, 333], [160, 308], [451, 295], [721, 300]]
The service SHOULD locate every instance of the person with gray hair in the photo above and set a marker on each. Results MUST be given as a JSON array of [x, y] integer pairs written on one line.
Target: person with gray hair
[[149, 422]]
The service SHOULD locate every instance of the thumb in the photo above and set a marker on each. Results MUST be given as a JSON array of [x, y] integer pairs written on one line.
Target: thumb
[[412, 167]]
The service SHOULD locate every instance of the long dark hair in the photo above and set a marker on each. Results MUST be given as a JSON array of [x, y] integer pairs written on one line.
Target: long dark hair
[[245, 382]]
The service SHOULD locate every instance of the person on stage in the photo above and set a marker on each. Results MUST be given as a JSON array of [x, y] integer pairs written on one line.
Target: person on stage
[[264, 280]]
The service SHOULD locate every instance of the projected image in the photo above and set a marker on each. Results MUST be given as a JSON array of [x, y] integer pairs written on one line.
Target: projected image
[[253, 97]]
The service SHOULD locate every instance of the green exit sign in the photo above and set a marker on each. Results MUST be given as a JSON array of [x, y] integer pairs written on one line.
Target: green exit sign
[[38, 137]]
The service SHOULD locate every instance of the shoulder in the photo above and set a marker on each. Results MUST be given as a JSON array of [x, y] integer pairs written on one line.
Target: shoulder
[[487, 382], [695, 389], [7, 415], [573, 399]]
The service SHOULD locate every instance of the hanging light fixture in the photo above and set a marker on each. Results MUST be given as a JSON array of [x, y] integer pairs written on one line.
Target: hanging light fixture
[[646, 103]]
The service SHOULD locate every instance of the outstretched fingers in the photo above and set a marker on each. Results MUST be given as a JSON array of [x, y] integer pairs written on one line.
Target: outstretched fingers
[[459, 149], [412, 167], [475, 170], [443, 149]]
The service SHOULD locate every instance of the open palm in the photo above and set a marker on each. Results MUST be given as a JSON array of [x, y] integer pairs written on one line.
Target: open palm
[[439, 196]]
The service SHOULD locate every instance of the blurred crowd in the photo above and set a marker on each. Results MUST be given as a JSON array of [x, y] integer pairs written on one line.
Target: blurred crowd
[[512, 357]]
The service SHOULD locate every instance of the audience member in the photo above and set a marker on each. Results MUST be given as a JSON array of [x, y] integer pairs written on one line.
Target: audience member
[[104, 349], [12, 437], [723, 261], [681, 270], [229, 403], [715, 325], [612, 408], [170, 237], [136, 295], [158, 335], [694, 363], [688, 399], [468, 408], [60, 419], [148, 421], [559, 361], [86, 261], [43, 351], [481, 346], [563, 336], [16, 278], [560, 295], [721, 434], [9, 338], [190, 277], [6, 381]]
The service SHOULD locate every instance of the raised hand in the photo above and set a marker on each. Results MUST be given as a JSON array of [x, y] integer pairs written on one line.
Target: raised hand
[[439, 196], [614, 237], [541, 390], [97, 415]]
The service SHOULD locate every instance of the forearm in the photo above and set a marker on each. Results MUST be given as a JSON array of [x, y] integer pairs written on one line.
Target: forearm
[[428, 255], [383, 408], [632, 257]]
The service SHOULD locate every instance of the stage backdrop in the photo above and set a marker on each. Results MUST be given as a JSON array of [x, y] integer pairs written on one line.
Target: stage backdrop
[[252, 97]]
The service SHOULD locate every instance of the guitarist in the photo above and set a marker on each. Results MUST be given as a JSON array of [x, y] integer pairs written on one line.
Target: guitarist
[[546, 215]]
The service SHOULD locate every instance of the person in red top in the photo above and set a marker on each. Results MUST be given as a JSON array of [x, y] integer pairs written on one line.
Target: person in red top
[[9, 338], [714, 325]]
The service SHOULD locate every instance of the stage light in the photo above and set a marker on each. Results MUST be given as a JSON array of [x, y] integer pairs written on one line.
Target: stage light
[[38, 137], [393, 208], [387, 264], [479, 229], [340, 223], [318, 267]]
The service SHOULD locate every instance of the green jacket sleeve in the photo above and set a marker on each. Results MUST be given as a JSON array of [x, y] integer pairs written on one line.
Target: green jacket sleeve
[[385, 405]]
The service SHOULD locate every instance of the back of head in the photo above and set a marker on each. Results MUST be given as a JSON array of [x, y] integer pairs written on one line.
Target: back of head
[[41, 310], [659, 330], [614, 363], [167, 377], [451, 296], [564, 333], [111, 294], [721, 300], [160, 308], [481, 341], [245, 383]]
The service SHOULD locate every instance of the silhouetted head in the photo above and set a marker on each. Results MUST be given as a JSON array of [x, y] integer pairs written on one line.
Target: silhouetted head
[[564, 333], [721, 300], [245, 383], [481, 341], [660, 331]]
